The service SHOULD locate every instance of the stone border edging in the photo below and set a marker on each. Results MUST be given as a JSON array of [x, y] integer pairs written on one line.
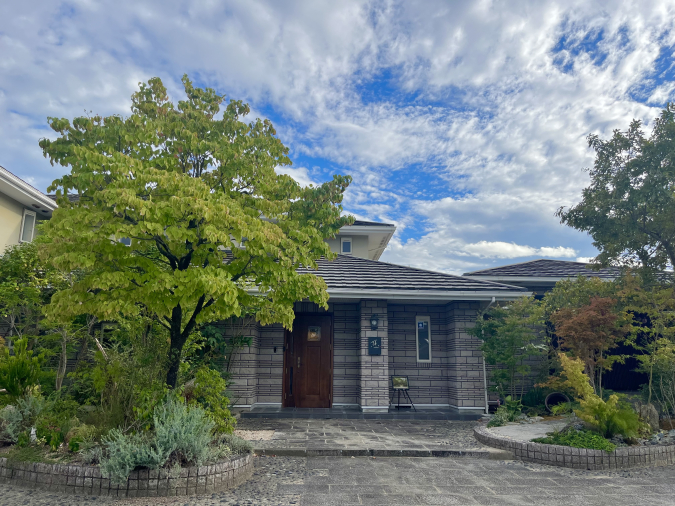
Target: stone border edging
[[87, 480], [579, 458], [340, 452]]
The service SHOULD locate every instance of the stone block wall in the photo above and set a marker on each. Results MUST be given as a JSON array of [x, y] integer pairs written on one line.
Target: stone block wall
[[346, 353], [580, 458], [465, 370], [88, 480], [428, 381], [374, 368]]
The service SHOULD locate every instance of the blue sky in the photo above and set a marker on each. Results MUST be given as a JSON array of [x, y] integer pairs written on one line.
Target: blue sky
[[463, 123]]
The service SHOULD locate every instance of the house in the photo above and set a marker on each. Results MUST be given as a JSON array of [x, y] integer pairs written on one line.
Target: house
[[383, 320], [21, 207]]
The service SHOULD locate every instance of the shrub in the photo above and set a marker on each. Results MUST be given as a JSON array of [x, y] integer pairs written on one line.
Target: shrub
[[126, 452], [20, 417], [182, 433], [608, 417], [209, 392], [11, 424], [577, 439], [507, 412], [19, 373], [237, 445], [535, 397]]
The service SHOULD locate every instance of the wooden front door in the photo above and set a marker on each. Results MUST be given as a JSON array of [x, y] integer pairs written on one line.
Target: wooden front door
[[308, 362]]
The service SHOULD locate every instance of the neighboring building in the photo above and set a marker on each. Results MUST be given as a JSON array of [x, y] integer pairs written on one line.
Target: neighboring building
[[21, 207], [540, 276]]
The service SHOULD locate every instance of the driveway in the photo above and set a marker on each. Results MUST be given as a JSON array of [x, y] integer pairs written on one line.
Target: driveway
[[410, 482]]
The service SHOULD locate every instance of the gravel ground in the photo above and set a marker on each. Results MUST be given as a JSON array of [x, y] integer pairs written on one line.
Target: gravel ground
[[410, 482]]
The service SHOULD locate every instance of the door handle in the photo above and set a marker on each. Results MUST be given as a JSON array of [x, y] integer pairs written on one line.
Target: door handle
[[298, 362]]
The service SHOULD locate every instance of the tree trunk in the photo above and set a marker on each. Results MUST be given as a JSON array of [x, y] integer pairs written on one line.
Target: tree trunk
[[176, 347], [63, 360]]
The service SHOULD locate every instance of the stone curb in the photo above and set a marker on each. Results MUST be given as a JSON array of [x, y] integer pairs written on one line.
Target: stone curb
[[83, 480], [340, 452], [579, 458]]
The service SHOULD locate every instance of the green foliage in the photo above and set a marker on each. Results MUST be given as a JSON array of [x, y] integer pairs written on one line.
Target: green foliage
[[652, 331], [209, 393], [577, 292], [19, 373], [237, 445], [629, 207], [590, 332], [11, 424], [608, 417], [535, 397], [507, 412], [511, 334], [28, 453], [577, 439], [182, 434], [126, 452], [189, 187]]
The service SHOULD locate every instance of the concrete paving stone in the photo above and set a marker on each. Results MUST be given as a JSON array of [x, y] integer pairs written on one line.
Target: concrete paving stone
[[490, 500], [294, 481]]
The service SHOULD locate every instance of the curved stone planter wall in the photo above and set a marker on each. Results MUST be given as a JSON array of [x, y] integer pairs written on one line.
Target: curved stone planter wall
[[579, 458], [147, 483]]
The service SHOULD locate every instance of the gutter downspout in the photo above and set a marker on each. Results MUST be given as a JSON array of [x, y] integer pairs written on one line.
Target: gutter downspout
[[485, 390]]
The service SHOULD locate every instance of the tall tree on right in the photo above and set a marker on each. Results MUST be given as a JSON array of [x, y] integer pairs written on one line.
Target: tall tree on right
[[629, 207]]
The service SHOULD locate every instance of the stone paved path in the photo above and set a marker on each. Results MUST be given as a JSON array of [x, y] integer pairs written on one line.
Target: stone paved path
[[364, 434], [328, 481]]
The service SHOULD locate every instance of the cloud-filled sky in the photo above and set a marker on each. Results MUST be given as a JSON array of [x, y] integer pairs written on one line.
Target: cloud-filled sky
[[463, 123]]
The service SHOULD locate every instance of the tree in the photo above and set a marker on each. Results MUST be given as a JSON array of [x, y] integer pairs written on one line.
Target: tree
[[511, 335], [589, 332], [652, 327], [180, 212], [26, 285], [629, 207]]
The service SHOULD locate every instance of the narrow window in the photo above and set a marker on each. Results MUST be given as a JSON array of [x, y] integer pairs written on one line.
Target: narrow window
[[423, 339], [346, 245], [28, 226]]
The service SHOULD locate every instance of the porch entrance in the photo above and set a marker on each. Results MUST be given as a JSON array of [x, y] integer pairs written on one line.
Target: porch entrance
[[308, 362]]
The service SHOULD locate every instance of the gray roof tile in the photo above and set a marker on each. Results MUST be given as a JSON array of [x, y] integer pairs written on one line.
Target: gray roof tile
[[545, 268], [356, 273]]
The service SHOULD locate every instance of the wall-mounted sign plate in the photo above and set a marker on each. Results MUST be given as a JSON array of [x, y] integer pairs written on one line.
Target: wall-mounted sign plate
[[375, 346]]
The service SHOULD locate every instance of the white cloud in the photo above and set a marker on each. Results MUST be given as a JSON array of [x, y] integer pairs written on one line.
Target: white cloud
[[498, 249], [300, 174], [473, 141]]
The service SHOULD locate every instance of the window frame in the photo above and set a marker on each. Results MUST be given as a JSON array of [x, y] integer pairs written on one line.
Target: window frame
[[343, 240], [23, 224], [417, 338]]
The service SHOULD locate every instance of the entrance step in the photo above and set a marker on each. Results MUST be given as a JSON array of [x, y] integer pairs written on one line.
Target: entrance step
[[356, 414], [478, 453]]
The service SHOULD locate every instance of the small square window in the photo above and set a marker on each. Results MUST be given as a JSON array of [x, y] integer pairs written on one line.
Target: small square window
[[346, 246], [28, 226], [423, 336]]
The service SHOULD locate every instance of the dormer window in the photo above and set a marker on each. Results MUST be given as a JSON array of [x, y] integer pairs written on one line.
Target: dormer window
[[346, 245]]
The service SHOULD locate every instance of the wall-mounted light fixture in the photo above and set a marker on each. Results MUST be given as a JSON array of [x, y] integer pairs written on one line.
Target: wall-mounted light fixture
[[374, 321]]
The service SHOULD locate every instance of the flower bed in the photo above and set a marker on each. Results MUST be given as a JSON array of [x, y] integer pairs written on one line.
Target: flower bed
[[579, 458], [87, 480]]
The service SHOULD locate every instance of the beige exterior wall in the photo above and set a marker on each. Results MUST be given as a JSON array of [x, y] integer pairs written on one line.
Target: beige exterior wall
[[11, 214], [359, 245]]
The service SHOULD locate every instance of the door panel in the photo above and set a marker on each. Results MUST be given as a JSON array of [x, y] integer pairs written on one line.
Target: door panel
[[308, 362]]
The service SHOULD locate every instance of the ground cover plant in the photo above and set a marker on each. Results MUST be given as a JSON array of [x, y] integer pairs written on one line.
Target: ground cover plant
[[577, 439]]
